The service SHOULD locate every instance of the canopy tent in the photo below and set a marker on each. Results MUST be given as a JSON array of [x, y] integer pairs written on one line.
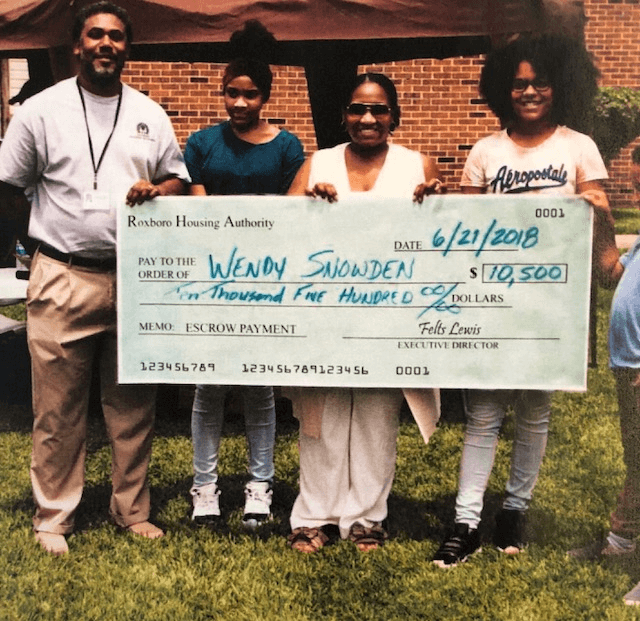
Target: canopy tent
[[329, 38], [41, 24]]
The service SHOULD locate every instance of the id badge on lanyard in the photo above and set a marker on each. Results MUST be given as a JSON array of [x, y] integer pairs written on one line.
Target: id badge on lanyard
[[96, 200]]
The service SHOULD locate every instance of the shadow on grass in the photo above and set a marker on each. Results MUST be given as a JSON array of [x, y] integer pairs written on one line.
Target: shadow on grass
[[173, 419], [409, 519], [15, 418], [433, 519]]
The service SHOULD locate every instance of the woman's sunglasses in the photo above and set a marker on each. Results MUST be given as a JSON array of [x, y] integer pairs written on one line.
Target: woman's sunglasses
[[360, 109]]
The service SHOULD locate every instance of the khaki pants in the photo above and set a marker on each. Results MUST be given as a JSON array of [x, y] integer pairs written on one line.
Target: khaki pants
[[71, 321]]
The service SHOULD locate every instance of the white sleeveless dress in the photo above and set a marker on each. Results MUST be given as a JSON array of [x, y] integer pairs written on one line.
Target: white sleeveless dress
[[348, 436], [401, 172]]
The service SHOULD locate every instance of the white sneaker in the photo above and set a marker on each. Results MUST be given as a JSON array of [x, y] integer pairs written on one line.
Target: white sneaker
[[257, 503], [607, 547], [206, 503]]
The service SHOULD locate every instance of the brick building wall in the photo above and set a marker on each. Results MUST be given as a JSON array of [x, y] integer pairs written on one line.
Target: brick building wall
[[613, 36], [191, 95], [442, 113]]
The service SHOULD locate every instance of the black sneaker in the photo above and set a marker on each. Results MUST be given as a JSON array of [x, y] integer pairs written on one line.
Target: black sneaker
[[457, 546], [509, 534]]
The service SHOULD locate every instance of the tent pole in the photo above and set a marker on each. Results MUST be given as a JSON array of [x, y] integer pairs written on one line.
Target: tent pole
[[329, 78]]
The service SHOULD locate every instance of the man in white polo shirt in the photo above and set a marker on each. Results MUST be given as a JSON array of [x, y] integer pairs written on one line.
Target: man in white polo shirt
[[80, 148]]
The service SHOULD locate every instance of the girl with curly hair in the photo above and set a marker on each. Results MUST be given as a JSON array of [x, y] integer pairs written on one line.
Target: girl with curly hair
[[541, 90]]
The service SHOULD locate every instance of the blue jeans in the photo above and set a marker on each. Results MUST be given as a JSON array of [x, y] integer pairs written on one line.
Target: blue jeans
[[485, 412], [207, 417]]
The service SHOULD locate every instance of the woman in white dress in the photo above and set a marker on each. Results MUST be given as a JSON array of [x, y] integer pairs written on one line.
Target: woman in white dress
[[348, 435]]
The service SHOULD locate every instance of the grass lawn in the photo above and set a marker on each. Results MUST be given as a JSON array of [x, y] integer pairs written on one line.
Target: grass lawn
[[196, 574], [627, 221]]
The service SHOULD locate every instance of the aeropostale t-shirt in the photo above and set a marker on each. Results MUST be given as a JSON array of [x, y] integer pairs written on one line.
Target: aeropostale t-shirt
[[566, 159]]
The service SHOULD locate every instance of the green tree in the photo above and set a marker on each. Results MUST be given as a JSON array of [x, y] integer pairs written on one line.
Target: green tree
[[616, 119]]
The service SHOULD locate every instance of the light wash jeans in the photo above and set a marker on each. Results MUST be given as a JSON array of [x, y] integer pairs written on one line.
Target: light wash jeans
[[485, 412], [207, 417]]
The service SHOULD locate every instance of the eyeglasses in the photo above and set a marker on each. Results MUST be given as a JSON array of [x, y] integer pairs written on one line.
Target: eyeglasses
[[360, 109], [540, 84]]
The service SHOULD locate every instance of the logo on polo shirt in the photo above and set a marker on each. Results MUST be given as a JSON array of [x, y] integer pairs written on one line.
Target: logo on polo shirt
[[143, 133]]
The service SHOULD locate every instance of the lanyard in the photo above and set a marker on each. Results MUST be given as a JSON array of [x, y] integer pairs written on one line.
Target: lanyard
[[106, 144]]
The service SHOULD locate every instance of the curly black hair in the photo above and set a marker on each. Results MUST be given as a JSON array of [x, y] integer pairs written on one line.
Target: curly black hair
[[249, 46], [563, 61]]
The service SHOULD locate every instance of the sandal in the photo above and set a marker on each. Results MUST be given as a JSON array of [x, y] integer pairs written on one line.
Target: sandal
[[368, 538], [307, 540]]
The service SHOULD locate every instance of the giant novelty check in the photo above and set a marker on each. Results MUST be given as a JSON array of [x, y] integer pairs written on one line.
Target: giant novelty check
[[461, 291]]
